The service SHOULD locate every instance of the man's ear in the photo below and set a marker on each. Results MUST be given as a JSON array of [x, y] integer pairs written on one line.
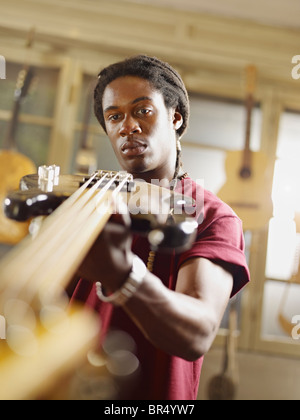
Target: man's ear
[[177, 119]]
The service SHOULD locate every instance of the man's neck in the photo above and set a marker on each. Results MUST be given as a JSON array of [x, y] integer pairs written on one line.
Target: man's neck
[[155, 175]]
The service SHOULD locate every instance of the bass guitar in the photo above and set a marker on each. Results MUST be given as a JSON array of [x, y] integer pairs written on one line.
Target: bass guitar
[[45, 341], [249, 176]]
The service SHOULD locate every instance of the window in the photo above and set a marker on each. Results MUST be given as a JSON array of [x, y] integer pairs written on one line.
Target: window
[[216, 127], [89, 133], [35, 118], [282, 288]]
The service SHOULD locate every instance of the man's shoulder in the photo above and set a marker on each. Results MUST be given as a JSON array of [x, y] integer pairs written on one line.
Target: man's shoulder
[[205, 200]]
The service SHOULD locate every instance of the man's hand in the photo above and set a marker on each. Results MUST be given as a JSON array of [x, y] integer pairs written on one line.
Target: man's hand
[[110, 259]]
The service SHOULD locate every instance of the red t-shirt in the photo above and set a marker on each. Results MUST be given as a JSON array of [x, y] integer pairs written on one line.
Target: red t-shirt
[[220, 239]]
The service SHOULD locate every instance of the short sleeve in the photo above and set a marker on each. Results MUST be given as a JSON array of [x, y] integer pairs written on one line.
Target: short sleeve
[[220, 239]]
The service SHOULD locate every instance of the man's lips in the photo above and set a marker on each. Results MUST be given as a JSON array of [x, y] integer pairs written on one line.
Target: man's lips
[[133, 148]]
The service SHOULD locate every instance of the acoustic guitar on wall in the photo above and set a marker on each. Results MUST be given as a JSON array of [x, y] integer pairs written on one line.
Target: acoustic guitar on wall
[[249, 175], [14, 165], [223, 386]]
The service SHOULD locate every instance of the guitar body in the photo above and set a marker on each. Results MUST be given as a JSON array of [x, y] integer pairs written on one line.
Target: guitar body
[[248, 197], [13, 166]]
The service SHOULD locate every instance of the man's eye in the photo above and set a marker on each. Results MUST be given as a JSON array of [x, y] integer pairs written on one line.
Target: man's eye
[[144, 111], [114, 117]]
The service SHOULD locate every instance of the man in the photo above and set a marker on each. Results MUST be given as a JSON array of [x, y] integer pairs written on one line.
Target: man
[[174, 308]]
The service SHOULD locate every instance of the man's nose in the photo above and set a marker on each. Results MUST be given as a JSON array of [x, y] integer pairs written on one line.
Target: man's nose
[[129, 126]]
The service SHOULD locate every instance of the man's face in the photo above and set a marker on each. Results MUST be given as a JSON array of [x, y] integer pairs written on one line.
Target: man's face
[[140, 127]]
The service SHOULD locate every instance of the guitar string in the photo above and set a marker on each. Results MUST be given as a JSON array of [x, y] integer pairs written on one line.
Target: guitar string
[[47, 274], [46, 241], [89, 231], [29, 248], [46, 227], [88, 226], [49, 251]]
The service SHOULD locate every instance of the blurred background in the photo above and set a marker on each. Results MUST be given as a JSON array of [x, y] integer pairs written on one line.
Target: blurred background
[[238, 59]]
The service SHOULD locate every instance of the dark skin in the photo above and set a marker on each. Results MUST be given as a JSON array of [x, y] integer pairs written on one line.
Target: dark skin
[[183, 322]]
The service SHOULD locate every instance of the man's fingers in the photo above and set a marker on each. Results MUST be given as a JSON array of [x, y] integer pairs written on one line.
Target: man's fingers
[[121, 212]]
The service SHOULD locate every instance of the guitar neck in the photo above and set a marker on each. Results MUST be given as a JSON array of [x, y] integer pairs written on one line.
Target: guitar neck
[[249, 107], [25, 78], [23, 83], [245, 171], [246, 165], [10, 140], [49, 261]]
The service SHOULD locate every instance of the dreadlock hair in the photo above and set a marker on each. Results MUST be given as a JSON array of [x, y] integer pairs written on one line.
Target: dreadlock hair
[[160, 75]]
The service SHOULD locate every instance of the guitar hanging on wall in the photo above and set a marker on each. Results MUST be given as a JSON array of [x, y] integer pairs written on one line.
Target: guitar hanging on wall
[[223, 386], [14, 165], [249, 174]]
